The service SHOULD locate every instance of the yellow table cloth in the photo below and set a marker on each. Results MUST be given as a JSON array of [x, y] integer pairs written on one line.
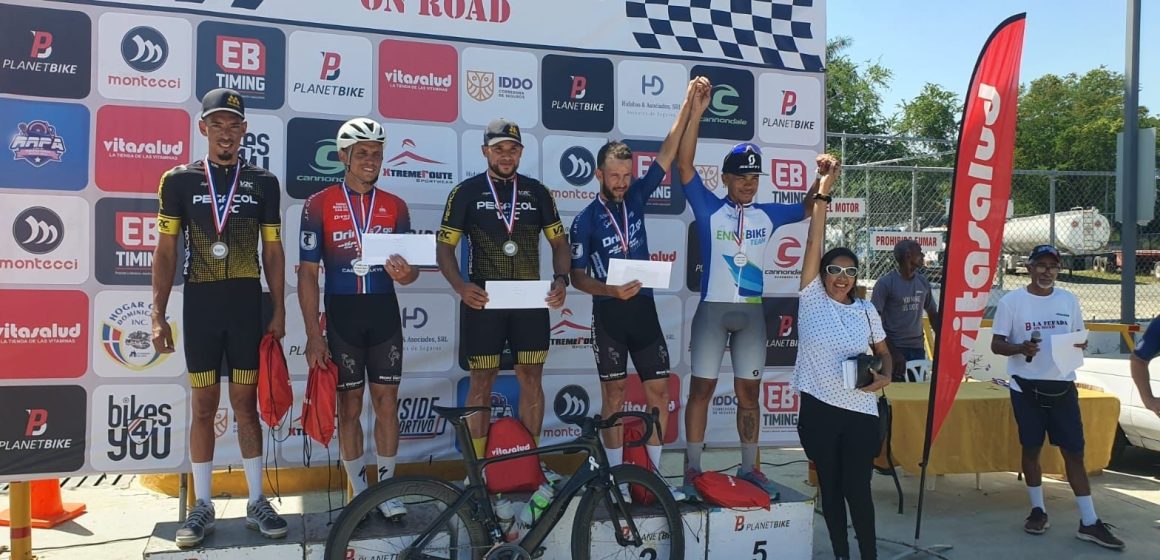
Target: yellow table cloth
[[980, 435]]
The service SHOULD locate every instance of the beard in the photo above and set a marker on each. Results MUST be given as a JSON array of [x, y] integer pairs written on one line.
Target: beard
[[609, 195], [494, 169]]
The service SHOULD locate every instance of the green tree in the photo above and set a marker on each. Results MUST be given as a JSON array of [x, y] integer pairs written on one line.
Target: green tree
[[853, 91], [933, 113]]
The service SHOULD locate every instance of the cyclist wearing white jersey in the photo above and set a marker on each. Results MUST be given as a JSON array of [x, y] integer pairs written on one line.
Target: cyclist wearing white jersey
[[732, 233]]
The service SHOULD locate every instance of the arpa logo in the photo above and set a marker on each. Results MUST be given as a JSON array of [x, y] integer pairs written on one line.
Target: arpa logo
[[571, 401], [38, 230], [577, 165], [788, 102], [37, 143], [248, 59], [144, 49]]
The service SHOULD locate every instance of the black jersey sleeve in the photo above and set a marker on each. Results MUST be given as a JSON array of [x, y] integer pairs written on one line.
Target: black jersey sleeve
[[271, 208], [549, 215], [172, 209], [454, 217]]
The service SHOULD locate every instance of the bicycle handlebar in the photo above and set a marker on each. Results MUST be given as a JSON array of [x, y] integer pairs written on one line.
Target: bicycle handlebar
[[650, 419]]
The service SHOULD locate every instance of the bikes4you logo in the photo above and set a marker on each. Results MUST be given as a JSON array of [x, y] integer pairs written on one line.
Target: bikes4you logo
[[42, 429], [138, 427]]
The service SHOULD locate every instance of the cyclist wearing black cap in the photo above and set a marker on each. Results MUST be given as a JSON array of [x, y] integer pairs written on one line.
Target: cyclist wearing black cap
[[223, 207], [502, 214]]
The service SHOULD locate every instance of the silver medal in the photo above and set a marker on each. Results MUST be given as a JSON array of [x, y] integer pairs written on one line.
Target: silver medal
[[510, 248], [360, 268], [219, 250], [740, 259]]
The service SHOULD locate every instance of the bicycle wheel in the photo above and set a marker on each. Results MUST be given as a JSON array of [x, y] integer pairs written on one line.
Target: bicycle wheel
[[358, 535], [658, 523]]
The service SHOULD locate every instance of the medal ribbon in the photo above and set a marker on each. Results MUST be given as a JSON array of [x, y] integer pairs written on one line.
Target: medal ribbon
[[622, 235], [359, 231], [740, 227], [220, 217], [509, 221]]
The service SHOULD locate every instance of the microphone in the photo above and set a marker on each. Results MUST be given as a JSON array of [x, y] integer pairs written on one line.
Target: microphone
[[1035, 337]]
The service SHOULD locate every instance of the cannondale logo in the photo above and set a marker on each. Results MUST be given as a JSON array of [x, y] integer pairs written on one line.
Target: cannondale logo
[[577, 165], [144, 49], [571, 401], [38, 230], [326, 160], [723, 101]]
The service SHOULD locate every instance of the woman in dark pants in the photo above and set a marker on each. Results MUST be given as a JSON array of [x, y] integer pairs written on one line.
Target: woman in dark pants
[[838, 424]]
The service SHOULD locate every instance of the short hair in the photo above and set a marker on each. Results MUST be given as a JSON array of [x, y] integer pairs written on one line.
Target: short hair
[[903, 247], [614, 149]]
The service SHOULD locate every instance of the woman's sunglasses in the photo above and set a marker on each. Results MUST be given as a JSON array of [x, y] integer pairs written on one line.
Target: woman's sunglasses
[[834, 270]]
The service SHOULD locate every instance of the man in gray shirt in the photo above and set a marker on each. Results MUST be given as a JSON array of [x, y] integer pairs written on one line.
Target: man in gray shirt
[[900, 298]]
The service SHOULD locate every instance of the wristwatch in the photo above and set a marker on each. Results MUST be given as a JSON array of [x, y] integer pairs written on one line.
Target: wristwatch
[[563, 277], [824, 197]]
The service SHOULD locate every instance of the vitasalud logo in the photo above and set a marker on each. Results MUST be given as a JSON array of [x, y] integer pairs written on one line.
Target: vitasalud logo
[[139, 427]]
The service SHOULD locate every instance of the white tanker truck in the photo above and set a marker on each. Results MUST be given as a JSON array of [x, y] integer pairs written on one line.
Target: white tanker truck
[[1080, 235]]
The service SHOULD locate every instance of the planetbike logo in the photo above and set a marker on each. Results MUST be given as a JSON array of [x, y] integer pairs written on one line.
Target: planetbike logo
[[41, 45], [38, 230], [577, 166], [571, 401], [788, 102], [37, 143], [138, 430], [331, 66], [144, 49]]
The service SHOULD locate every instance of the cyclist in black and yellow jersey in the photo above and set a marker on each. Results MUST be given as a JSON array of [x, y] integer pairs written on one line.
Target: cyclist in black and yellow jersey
[[503, 243], [224, 208]]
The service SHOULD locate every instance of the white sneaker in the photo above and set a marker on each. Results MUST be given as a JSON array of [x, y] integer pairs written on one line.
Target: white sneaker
[[552, 476], [393, 509], [678, 494]]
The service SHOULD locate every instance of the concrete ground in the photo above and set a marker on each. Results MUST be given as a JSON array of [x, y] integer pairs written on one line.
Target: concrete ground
[[981, 524]]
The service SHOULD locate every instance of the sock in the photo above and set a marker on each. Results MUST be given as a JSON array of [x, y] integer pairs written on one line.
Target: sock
[[615, 455], [748, 457], [693, 454], [203, 481], [1036, 493], [386, 467], [654, 455], [253, 468], [1087, 510], [356, 474], [480, 445]]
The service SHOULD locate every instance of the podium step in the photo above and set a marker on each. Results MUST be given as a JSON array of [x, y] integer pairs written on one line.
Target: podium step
[[231, 539]]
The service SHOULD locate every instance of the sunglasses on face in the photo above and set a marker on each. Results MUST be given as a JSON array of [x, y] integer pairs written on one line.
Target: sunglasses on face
[[834, 270]]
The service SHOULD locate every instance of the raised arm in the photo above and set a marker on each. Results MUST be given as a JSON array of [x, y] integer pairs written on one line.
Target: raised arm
[[668, 151], [828, 171], [697, 102]]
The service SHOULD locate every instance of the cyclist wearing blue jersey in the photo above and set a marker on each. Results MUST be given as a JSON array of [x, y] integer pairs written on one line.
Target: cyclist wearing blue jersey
[[732, 233], [364, 330], [624, 317]]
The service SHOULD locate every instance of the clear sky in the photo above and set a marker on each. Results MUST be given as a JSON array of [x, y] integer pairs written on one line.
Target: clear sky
[[939, 41]]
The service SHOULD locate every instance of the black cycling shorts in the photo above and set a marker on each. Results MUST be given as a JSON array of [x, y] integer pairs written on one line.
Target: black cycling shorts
[[486, 331], [365, 336], [624, 328], [222, 318]]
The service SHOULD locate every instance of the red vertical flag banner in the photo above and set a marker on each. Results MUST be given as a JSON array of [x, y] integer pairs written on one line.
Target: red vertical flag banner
[[979, 194]]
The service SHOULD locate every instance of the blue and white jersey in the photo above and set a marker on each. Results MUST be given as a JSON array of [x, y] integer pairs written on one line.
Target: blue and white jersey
[[595, 238], [731, 260]]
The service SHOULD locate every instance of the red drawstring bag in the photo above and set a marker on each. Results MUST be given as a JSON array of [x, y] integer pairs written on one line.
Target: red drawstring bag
[[727, 491], [637, 455], [318, 405], [504, 437], [275, 395]]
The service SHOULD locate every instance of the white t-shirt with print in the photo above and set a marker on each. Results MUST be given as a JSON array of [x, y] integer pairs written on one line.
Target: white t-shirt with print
[[1020, 313], [829, 333]]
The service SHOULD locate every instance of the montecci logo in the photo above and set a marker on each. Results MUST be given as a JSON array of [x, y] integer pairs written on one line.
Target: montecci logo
[[157, 149], [13, 333], [139, 431]]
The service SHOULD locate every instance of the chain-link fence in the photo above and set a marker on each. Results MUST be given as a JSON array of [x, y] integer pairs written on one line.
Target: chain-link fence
[[905, 184]]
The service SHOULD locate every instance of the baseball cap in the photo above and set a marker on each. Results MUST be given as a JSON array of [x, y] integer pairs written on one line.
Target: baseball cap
[[1041, 250], [501, 130], [223, 99], [743, 159]]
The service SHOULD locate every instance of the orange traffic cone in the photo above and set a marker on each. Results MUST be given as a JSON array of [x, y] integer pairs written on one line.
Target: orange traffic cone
[[47, 509]]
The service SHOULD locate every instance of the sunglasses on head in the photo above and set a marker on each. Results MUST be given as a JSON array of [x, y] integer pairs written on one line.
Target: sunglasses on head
[[834, 270], [746, 147]]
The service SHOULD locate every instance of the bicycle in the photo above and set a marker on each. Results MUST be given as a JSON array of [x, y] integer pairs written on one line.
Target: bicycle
[[446, 522]]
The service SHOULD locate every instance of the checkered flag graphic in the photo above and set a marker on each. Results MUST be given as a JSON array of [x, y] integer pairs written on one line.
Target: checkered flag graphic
[[769, 31]]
